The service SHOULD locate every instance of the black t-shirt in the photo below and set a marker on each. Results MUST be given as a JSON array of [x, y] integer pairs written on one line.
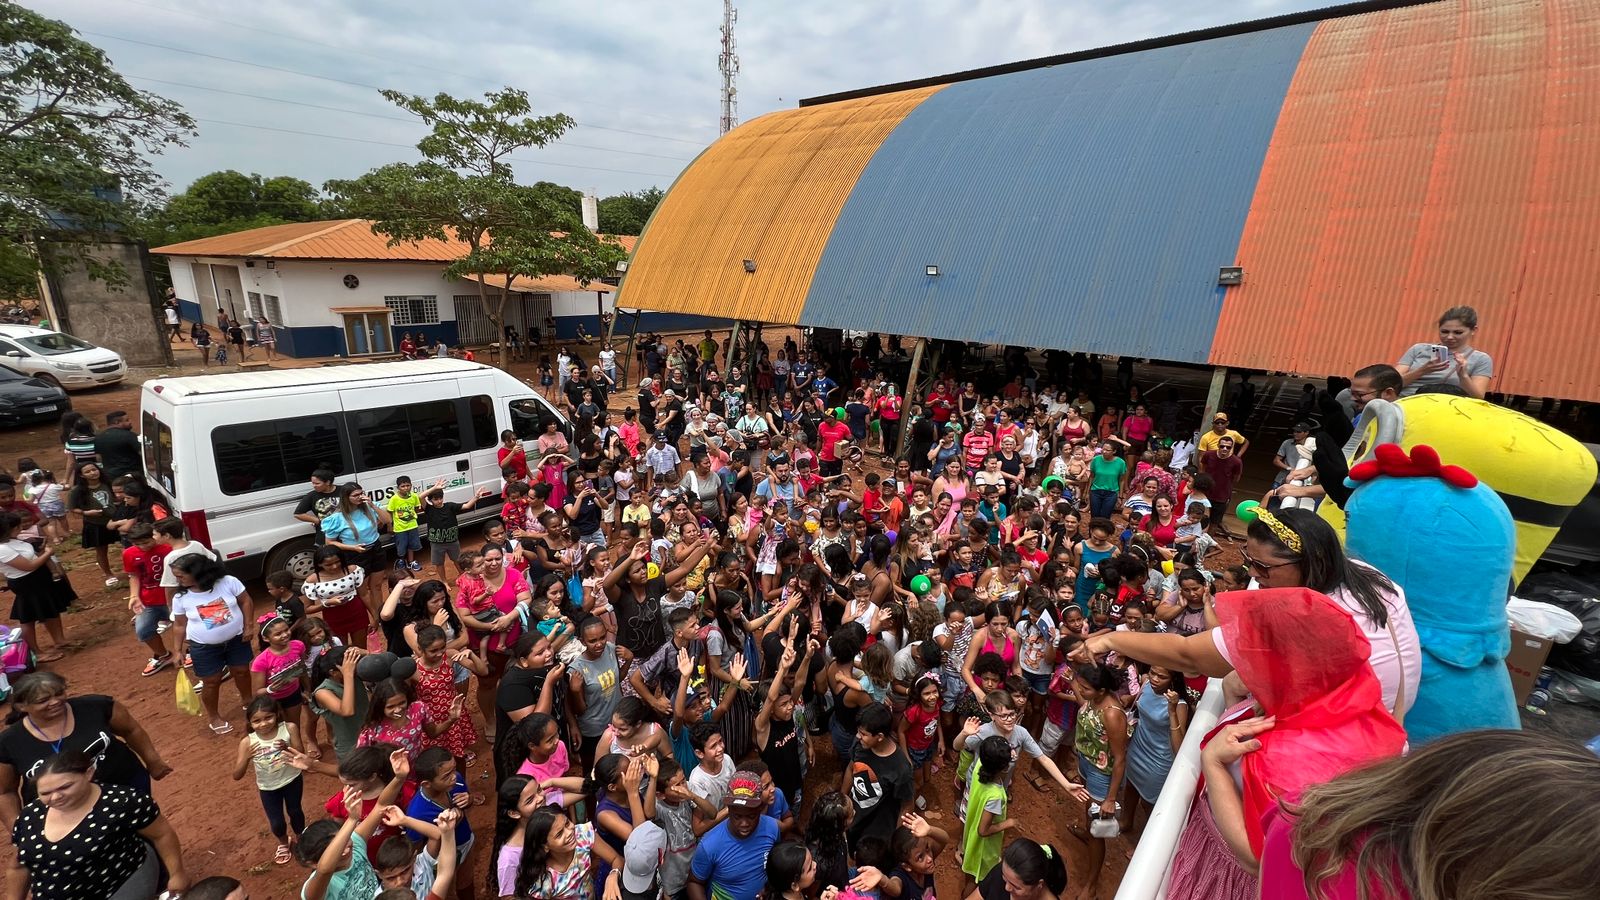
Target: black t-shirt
[[913, 889], [639, 625], [587, 521], [647, 412], [879, 788], [319, 504], [782, 756], [519, 688], [119, 452], [444, 525], [91, 734]]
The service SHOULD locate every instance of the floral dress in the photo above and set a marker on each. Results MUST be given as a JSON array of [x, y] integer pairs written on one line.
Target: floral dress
[[436, 690], [408, 735]]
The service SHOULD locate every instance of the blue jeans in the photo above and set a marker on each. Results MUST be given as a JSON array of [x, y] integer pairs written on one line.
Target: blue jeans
[[1102, 504]]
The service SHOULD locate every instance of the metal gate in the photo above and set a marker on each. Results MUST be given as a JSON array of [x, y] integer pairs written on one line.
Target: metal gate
[[524, 312]]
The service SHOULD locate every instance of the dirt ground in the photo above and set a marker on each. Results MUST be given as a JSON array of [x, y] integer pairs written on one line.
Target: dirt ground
[[220, 822]]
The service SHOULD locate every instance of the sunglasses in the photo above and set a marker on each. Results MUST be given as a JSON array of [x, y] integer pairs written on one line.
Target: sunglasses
[[1259, 568]]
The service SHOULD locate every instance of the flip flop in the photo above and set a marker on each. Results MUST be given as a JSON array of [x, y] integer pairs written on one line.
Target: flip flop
[[225, 728], [283, 856], [49, 656]]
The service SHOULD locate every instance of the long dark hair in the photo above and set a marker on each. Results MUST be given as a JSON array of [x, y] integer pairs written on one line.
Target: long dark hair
[[505, 823], [418, 610], [785, 862], [1324, 564], [535, 848], [205, 571], [380, 694], [1033, 862]]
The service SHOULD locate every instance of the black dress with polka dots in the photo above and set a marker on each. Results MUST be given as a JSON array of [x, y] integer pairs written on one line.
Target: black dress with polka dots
[[92, 861]]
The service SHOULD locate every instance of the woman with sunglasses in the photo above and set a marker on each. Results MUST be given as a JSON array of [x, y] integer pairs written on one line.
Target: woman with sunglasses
[[1296, 548]]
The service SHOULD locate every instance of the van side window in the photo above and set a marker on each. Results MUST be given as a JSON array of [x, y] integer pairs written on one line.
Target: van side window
[[260, 455], [480, 410], [529, 419], [397, 435], [157, 440]]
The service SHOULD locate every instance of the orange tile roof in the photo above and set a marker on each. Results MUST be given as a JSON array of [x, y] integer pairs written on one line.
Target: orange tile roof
[[343, 239], [549, 284]]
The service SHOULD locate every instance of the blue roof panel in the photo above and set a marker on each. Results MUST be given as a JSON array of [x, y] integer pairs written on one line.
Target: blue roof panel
[[1081, 207]]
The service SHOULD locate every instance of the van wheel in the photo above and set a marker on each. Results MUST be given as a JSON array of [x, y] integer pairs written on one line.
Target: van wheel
[[294, 557]]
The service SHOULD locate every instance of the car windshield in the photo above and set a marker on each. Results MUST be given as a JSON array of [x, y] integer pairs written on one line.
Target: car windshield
[[55, 343]]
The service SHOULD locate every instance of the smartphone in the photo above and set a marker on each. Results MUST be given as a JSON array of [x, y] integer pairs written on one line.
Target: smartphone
[[1441, 353]]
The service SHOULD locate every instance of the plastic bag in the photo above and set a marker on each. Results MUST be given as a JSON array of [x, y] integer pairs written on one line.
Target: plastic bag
[[1581, 597], [1542, 620], [183, 692]]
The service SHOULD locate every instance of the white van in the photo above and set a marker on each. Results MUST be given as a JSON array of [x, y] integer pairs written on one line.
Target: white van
[[233, 454]]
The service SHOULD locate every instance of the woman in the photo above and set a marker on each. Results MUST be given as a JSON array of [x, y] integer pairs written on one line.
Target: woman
[[1074, 427], [1163, 719], [1139, 505], [1161, 524], [1409, 827], [1136, 429], [1465, 367], [91, 499], [556, 860], [1028, 870], [75, 821], [939, 455], [552, 447], [333, 589], [217, 618], [888, 409], [726, 640], [1101, 742], [1296, 548], [1011, 465], [953, 481], [495, 626], [45, 721], [353, 527], [40, 596], [512, 455], [997, 637], [266, 337]]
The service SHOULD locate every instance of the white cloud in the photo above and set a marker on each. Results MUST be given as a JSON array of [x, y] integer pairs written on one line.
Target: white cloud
[[645, 66]]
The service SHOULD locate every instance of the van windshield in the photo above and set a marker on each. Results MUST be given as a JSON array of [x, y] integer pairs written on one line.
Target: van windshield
[[54, 344]]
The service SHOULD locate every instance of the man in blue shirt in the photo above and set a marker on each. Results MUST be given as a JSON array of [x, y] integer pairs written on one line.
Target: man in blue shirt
[[731, 861]]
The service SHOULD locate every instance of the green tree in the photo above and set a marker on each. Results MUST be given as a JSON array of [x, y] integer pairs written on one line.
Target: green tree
[[464, 190], [627, 213], [75, 139], [229, 201]]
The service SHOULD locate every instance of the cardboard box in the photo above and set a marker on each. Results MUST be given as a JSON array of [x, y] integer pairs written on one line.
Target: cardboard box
[[1526, 658]]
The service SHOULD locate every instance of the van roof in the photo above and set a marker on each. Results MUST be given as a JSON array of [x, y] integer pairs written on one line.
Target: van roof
[[236, 382]]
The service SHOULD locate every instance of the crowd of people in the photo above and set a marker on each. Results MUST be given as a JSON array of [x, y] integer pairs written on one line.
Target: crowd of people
[[730, 641]]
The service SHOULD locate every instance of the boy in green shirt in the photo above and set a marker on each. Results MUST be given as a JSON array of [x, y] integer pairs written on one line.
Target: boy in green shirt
[[403, 506]]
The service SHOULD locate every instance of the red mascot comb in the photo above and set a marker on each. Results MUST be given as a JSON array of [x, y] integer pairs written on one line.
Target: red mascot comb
[[1391, 460]]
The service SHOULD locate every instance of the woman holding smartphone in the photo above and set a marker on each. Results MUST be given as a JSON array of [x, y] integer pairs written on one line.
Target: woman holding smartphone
[[1453, 360]]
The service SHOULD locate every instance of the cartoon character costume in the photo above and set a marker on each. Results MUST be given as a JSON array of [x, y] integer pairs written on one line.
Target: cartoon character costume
[[1448, 540]]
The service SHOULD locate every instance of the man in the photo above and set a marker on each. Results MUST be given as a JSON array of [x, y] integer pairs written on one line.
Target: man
[[118, 447], [322, 499], [1287, 456], [800, 375], [1220, 430], [1224, 467], [662, 458], [879, 777], [707, 348], [780, 484], [1375, 382], [731, 861], [977, 444]]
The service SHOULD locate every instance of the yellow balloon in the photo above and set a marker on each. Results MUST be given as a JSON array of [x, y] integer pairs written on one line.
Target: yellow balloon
[[652, 570], [811, 527], [1166, 566]]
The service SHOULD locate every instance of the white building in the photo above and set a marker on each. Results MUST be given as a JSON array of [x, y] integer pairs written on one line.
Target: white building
[[336, 289]]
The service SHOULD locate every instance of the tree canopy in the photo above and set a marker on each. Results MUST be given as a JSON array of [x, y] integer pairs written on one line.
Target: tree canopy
[[464, 189], [74, 139], [626, 213], [229, 201]]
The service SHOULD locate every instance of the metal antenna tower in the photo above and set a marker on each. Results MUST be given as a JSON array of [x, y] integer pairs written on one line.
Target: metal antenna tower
[[728, 63]]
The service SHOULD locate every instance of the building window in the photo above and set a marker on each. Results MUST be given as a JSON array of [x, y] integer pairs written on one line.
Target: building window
[[414, 310], [252, 305], [274, 311]]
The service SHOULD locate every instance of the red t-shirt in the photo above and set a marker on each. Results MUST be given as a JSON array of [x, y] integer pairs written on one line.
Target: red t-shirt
[[869, 503], [147, 564], [518, 463], [940, 405], [921, 726], [889, 408], [336, 811], [829, 433]]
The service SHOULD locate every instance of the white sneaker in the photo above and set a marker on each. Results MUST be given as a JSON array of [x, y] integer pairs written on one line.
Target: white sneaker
[[113, 581]]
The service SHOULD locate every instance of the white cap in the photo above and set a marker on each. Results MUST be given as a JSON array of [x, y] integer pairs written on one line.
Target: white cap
[[642, 857]]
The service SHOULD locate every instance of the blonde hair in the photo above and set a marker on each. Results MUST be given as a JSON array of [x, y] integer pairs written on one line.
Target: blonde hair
[[878, 662], [1438, 822]]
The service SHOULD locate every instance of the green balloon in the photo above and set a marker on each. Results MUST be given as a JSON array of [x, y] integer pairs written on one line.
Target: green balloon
[[1052, 478], [1246, 510], [920, 585], [838, 413]]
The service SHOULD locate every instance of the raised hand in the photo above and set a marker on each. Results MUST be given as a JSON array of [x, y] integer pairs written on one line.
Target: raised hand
[[685, 663], [394, 816], [401, 763], [352, 802]]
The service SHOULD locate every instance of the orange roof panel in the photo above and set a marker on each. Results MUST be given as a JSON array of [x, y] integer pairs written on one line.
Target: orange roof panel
[[768, 191], [1428, 157], [344, 239]]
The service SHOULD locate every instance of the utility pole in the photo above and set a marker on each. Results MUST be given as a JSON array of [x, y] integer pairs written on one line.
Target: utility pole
[[728, 63]]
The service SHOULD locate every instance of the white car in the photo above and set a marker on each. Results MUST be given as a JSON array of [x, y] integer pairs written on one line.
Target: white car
[[54, 357]]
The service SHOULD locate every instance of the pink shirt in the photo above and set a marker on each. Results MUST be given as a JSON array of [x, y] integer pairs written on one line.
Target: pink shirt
[[283, 671], [554, 767], [1282, 879]]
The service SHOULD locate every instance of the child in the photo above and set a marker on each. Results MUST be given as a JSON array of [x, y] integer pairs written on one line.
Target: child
[[436, 689], [779, 738], [403, 506], [547, 758], [278, 669], [444, 529], [142, 561], [691, 708], [285, 599], [1190, 532], [432, 870], [266, 746], [442, 786], [546, 377], [877, 673], [619, 805], [714, 770], [202, 342], [393, 717], [920, 733], [338, 847], [914, 848], [314, 634], [1061, 710], [675, 809], [985, 821], [50, 497], [880, 779], [1004, 711]]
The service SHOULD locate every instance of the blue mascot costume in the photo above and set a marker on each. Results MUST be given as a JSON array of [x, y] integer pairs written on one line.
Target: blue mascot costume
[[1449, 541]]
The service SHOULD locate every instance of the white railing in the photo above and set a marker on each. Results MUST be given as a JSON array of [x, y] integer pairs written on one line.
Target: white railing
[[1146, 877]]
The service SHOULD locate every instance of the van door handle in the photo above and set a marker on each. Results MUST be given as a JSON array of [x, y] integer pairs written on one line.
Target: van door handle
[[462, 465]]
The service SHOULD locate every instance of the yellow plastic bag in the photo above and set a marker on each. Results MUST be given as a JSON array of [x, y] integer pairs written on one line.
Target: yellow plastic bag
[[183, 692]]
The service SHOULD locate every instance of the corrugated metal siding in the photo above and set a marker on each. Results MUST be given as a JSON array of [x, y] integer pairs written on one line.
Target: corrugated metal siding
[[1428, 157], [1084, 206], [769, 191]]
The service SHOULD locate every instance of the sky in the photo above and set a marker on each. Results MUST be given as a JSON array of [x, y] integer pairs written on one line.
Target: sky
[[290, 87]]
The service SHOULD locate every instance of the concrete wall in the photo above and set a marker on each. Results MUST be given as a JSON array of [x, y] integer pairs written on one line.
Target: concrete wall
[[125, 318]]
